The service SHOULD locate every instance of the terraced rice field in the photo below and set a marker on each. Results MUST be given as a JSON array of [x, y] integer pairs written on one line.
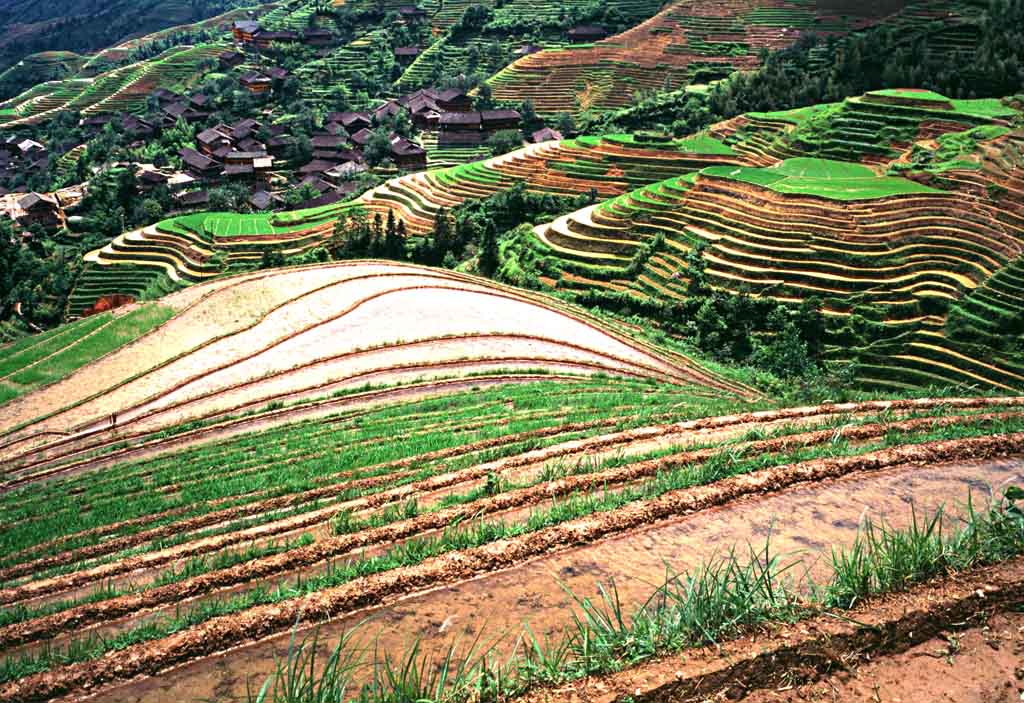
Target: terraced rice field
[[896, 250], [687, 42], [180, 250], [608, 166], [121, 89], [242, 343], [410, 460], [339, 66], [887, 251], [445, 510]]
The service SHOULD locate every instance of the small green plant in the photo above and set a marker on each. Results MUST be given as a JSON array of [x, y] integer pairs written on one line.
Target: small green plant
[[493, 486]]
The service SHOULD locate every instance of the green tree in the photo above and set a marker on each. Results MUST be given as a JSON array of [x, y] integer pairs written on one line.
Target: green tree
[[443, 240], [488, 261], [505, 141], [394, 245], [695, 265], [378, 147]]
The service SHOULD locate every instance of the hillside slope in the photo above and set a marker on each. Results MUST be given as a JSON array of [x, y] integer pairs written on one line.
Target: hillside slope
[[692, 42], [297, 335], [84, 26], [888, 256]]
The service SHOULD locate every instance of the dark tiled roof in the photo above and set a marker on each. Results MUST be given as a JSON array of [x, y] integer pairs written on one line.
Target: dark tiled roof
[[261, 200], [362, 136], [450, 94], [193, 158], [588, 30], [33, 199], [194, 197], [403, 147], [238, 169], [315, 181], [496, 115], [251, 145], [210, 136], [317, 166], [328, 198], [460, 119], [285, 35], [326, 141]]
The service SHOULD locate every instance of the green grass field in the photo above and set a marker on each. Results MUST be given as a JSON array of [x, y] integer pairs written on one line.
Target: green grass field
[[910, 94], [835, 180], [66, 350]]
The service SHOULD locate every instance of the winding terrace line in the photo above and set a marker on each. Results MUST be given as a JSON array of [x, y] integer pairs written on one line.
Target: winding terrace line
[[84, 427], [686, 367], [276, 418], [216, 288], [627, 367], [339, 425], [760, 417], [274, 565], [255, 465], [256, 508], [317, 516], [221, 633]]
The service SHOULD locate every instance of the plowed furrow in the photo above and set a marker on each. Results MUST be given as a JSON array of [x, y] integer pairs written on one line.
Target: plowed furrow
[[221, 633]]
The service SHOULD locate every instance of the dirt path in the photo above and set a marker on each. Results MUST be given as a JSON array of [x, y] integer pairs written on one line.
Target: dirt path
[[983, 663]]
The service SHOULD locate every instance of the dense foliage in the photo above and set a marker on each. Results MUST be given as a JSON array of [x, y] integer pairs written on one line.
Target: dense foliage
[[882, 57], [87, 25]]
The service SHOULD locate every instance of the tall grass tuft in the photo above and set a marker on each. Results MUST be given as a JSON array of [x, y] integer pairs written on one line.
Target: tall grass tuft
[[719, 599], [883, 559]]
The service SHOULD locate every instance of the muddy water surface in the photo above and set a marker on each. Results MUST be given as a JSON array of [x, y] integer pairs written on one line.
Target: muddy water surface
[[803, 522]]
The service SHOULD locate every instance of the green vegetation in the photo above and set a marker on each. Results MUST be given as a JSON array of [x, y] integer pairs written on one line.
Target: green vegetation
[[835, 180], [417, 550], [727, 595], [66, 350], [925, 95], [43, 513]]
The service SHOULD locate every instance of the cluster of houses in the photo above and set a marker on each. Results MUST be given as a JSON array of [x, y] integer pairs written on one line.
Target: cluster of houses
[[249, 34], [245, 152], [450, 113], [232, 153], [170, 108], [20, 155], [33, 209], [45, 210]]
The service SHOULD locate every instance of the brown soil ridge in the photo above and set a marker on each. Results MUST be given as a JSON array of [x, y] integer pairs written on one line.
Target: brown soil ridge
[[465, 367], [221, 633], [484, 289], [231, 427], [34, 461], [324, 479], [267, 567], [105, 571], [786, 655], [277, 503]]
